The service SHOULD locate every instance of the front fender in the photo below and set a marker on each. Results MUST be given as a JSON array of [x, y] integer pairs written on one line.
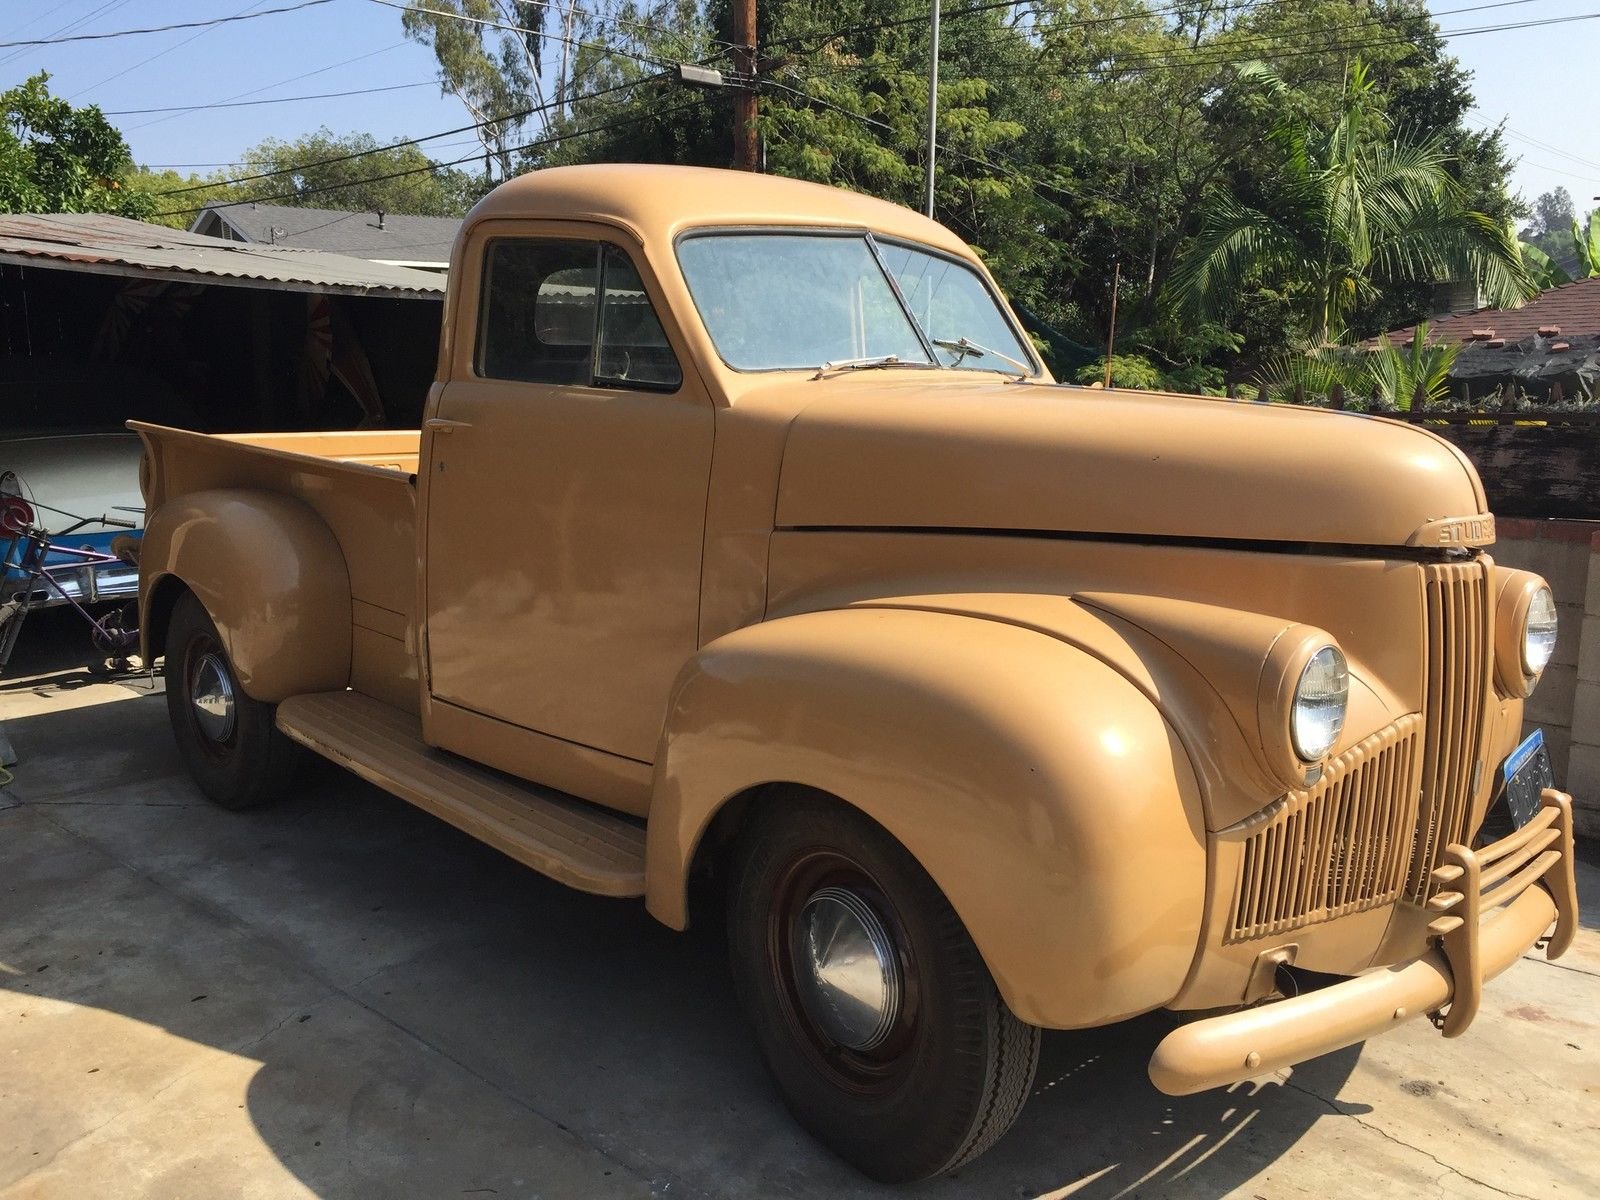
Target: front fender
[[1042, 791], [271, 575]]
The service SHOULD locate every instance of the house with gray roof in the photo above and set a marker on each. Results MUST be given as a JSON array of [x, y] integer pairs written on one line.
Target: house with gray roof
[[392, 238]]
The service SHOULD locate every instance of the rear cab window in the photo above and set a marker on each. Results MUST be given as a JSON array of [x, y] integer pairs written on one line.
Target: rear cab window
[[569, 313]]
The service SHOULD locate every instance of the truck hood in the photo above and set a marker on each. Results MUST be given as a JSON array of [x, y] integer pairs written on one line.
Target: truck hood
[[913, 453]]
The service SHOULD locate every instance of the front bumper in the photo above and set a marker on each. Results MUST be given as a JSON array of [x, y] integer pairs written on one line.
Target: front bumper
[[1500, 901]]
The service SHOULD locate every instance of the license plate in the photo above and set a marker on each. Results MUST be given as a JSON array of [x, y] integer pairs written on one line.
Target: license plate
[[1527, 773]]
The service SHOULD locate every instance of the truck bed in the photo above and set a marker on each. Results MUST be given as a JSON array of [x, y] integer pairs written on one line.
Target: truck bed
[[362, 483]]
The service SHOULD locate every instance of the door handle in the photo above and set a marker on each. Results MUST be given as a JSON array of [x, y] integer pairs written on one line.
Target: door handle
[[441, 425]]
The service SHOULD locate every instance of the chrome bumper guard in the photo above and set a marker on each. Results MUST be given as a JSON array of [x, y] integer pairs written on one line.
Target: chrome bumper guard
[[92, 583], [1494, 904]]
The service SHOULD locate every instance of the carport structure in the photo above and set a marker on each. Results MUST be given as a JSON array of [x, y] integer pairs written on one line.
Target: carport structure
[[103, 319]]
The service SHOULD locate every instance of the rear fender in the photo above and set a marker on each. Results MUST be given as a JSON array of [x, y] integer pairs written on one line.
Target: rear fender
[[1043, 792], [270, 574]]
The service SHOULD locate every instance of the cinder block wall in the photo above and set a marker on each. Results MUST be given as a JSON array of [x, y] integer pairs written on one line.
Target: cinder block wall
[[1567, 702]]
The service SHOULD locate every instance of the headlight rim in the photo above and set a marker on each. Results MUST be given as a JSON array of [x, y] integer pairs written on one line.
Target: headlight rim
[[1512, 606], [1282, 672]]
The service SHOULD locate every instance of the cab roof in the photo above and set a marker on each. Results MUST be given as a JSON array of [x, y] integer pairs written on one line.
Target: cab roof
[[659, 201]]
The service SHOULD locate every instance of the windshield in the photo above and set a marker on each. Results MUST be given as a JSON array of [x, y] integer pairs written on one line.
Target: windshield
[[773, 301], [951, 302]]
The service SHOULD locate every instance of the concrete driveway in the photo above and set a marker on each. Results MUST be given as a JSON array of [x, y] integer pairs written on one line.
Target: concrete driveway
[[341, 997]]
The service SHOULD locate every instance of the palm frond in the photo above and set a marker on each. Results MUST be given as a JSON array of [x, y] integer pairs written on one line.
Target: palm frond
[[1545, 271], [1234, 239]]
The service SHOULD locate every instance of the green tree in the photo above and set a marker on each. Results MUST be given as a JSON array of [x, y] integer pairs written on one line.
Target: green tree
[[393, 179], [1075, 134], [1351, 207], [398, 179], [56, 158]]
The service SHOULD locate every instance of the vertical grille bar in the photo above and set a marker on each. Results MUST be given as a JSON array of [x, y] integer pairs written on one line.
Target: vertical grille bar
[[1335, 848], [1457, 680]]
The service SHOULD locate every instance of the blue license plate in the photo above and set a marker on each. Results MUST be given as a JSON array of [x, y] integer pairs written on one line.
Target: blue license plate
[[1525, 774]]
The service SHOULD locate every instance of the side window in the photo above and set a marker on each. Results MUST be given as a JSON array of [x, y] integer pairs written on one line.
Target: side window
[[633, 350], [537, 318], [570, 313]]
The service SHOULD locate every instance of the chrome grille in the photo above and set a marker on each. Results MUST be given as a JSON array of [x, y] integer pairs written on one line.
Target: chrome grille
[[1338, 847], [1453, 712]]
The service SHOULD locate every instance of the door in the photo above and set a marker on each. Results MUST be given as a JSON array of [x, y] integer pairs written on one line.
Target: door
[[566, 497]]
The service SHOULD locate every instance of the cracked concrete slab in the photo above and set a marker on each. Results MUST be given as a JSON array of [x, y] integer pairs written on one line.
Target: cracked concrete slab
[[391, 1009]]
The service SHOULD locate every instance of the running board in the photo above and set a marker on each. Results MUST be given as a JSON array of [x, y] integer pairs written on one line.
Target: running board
[[578, 843]]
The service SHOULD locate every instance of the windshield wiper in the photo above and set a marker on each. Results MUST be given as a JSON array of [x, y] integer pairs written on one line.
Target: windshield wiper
[[967, 348], [857, 364]]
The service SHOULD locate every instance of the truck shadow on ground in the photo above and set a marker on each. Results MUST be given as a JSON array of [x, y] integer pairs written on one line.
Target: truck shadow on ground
[[418, 1003]]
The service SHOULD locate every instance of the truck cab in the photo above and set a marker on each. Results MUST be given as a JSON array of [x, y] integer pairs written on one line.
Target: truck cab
[[748, 548]]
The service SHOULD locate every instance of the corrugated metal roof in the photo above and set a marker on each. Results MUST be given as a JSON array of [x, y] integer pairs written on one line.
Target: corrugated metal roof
[[109, 245]]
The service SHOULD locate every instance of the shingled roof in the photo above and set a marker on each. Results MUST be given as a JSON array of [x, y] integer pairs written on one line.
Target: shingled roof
[[382, 237], [1571, 310]]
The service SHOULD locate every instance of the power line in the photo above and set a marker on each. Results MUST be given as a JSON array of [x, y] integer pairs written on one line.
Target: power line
[[1006, 169], [409, 141], [267, 87], [628, 22], [393, 87], [1219, 56], [526, 146], [555, 37], [76, 23], [117, 33], [1532, 141], [159, 54]]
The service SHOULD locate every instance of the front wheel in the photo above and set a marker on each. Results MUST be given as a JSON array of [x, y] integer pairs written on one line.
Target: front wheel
[[872, 1007], [227, 740]]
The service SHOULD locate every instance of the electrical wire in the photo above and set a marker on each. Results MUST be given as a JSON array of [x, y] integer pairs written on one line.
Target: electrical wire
[[1232, 56], [628, 22], [76, 23], [1016, 172], [159, 54], [118, 33], [555, 37], [393, 87], [325, 162], [526, 146], [267, 87]]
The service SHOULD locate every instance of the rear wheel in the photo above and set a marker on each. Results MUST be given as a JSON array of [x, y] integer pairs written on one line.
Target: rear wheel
[[227, 740], [873, 1009]]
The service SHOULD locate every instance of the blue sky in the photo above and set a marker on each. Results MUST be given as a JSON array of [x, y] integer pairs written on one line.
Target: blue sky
[[1539, 80]]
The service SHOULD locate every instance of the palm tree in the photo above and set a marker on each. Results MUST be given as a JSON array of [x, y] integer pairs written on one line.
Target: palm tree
[[1546, 272], [1586, 241], [1352, 208]]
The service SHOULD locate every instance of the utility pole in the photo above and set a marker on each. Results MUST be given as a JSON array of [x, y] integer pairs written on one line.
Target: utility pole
[[933, 100], [745, 137], [1111, 333]]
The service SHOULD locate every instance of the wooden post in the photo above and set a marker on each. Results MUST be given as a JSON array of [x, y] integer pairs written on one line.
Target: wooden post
[[1336, 396], [1299, 393], [746, 141], [1556, 393], [1111, 334]]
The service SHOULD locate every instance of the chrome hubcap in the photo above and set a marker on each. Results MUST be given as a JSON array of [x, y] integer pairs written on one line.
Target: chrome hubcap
[[847, 973], [212, 696]]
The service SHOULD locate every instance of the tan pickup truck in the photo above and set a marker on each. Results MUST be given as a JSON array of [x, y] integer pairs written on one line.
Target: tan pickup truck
[[747, 550]]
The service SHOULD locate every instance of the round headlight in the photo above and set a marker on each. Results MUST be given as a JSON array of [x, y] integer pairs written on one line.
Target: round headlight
[[1320, 700], [1539, 632]]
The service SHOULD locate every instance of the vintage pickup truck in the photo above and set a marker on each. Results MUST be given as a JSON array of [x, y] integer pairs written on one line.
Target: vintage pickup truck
[[748, 550]]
